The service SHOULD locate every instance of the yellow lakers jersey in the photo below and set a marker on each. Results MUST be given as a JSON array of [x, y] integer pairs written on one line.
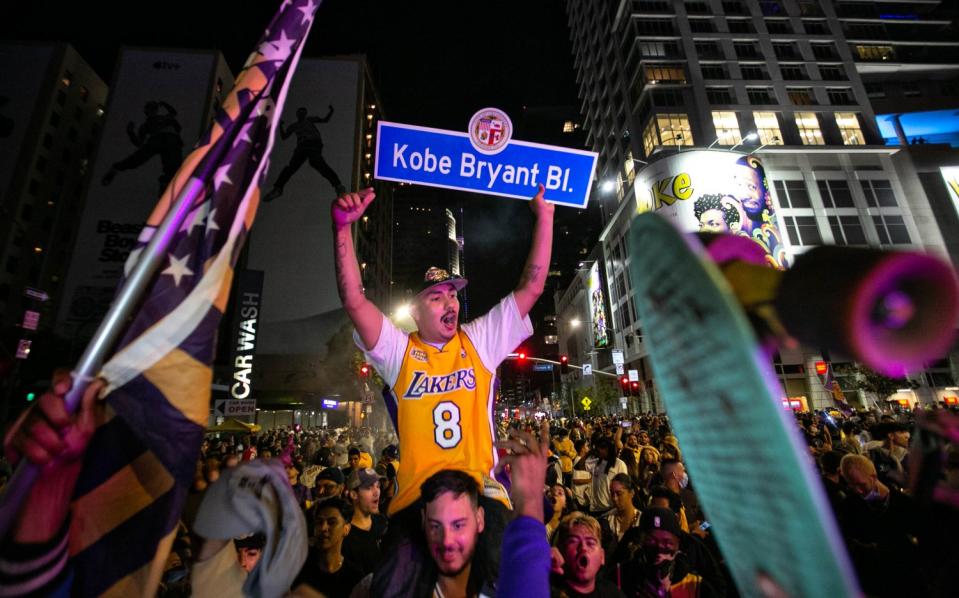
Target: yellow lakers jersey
[[443, 412]]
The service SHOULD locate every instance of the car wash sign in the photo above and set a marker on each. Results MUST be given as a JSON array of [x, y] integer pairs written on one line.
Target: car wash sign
[[249, 289], [485, 159]]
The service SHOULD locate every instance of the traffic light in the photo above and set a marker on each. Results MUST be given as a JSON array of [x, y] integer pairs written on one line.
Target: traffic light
[[365, 370], [521, 355], [634, 388], [624, 385], [31, 396], [564, 364]]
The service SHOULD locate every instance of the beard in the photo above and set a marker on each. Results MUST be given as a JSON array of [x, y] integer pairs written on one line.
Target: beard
[[449, 571]]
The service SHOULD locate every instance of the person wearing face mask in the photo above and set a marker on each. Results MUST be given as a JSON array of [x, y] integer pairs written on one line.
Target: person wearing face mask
[[578, 556], [883, 532], [658, 567], [676, 479]]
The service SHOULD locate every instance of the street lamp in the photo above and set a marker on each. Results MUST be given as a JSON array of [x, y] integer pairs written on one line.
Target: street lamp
[[574, 323], [751, 137], [772, 141]]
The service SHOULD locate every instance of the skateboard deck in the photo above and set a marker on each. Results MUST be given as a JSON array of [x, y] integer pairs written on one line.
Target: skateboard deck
[[753, 474]]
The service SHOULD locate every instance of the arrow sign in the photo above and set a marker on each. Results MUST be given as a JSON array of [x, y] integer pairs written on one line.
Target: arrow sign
[[586, 402]]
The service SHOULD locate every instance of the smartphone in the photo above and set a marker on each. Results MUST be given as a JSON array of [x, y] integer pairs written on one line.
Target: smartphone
[[705, 525], [626, 424]]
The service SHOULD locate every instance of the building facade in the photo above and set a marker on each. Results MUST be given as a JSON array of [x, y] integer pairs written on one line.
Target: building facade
[[665, 82]]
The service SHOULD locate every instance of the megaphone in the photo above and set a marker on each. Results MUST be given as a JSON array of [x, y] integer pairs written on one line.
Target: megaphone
[[893, 311]]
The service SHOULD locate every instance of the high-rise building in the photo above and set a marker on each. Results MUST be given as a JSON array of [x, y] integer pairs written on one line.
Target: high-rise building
[[51, 115], [670, 90]]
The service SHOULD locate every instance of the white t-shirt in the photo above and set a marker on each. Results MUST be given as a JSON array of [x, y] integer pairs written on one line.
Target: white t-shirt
[[494, 335], [601, 498]]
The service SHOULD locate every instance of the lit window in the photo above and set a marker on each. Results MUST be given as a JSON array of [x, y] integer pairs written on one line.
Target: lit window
[[727, 128], [848, 123], [875, 52], [767, 126], [664, 73], [569, 126], [674, 129], [808, 125], [650, 140], [629, 167]]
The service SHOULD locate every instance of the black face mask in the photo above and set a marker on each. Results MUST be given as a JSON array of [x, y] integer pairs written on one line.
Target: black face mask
[[652, 554]]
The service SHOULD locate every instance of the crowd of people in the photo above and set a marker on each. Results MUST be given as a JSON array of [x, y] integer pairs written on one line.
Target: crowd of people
[[620, 514]]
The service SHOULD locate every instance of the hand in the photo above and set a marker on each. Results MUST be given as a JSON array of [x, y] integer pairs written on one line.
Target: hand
[[331, 107], [556, 561], [47, 435], [540, 206], [527, 461], [348, 207]]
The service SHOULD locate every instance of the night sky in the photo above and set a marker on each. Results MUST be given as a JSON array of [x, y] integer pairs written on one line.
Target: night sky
[[435, 64]]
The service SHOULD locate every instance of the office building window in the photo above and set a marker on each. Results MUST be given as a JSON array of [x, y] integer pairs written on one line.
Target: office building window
[[760, 95], [793, 72], [702, 25], [776, 26], [875, 53], [756, 72], [808, 125], [740, 26], [910, 89], [840, 96], [731, 7], [824, 51], [878, 193], [664, 73], [747, 50], [720, 95], [832, 72], [715, 71], [810, 8], [657, 49], [667, 97], [667, 129], [792, 194], [891, 229], [786, 51], [655, 26], [802, 230], [708, 49], [727, 128], [835, 193], [847, 230], [801, 96], [767, 126], [848, 123], [875, 90], [698, 8], [815, 27], [772, 8]]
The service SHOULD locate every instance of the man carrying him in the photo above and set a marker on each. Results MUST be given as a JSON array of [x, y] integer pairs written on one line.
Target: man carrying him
[[442, 377], [367, 525]]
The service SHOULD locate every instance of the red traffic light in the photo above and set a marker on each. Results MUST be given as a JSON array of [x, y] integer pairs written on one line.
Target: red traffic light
[[522, 355], [821, 368], [563, 359]]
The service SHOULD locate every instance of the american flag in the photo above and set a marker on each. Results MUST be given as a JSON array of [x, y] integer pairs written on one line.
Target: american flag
[[141, 460]]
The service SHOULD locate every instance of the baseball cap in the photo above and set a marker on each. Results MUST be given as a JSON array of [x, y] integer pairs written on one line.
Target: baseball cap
[[660, 518], [362, 478], [333, 474], [436, 276]]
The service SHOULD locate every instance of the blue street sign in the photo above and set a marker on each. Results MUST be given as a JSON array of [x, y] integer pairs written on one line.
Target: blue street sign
[[543, 367], [448, 159]]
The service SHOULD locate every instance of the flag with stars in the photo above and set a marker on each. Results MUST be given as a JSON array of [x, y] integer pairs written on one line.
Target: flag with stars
[[141, 461]]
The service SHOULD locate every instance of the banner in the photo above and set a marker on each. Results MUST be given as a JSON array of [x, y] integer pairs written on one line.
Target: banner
[[597, 307], [710, 191]]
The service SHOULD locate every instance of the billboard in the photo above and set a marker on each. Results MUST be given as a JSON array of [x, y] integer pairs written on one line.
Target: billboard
[[597, 308], [160, 102], [714, 191], [292, 242], [950, 174]]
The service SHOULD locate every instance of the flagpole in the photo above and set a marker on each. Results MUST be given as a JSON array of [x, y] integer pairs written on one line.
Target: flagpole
[[113, 324]]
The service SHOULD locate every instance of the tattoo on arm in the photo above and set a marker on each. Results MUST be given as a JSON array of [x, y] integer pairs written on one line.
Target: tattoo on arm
[[531, 274]]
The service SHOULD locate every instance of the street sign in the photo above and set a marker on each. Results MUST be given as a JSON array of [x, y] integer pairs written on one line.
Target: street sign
[[23, 348], [458, 160], [586, 402], [634, 375], [587, 369], [619, 369], [30, 319], [623, 401], [329, 403], [543, 367], [618, 357], [233, 408], [35, 294]]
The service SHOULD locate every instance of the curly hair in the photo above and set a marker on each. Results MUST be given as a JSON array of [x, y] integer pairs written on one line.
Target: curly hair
[[714, 201]]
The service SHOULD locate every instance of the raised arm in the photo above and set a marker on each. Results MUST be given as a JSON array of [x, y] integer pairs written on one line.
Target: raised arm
[[537, 264], [318, 119], [367, 318]]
